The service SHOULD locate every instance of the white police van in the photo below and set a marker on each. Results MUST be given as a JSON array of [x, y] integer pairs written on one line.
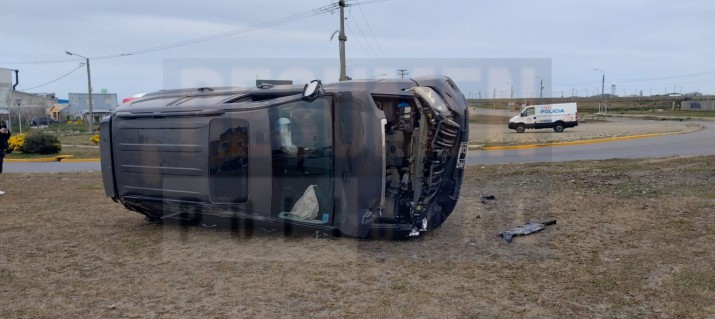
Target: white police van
[[556, 116]]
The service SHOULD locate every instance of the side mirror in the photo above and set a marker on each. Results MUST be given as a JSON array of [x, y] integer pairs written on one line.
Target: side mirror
[[311, 90]]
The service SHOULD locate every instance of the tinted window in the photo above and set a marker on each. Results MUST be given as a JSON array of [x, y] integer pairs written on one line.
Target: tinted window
[[228, 151]]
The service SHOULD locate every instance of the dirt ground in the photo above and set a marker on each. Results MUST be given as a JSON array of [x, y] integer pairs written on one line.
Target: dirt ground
[[633, 239]]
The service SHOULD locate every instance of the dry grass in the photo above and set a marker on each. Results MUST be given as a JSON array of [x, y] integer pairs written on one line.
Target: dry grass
[[633, 239]]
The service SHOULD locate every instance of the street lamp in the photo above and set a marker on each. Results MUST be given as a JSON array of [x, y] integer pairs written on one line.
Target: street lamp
[[19, 112], [89, 91], [603, 81]]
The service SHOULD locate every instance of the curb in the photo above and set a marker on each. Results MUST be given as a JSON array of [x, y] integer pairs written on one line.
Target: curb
[[591, 141], [58, 158]]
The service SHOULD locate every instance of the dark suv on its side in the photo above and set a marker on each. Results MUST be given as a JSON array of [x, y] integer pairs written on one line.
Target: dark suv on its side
[[358, 157]]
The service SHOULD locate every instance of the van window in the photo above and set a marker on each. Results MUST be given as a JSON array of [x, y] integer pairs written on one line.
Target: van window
[[528, 112], [302, 151], [228, 162]]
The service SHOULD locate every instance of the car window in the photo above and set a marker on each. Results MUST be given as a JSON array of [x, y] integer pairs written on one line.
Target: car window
[[228, 161]]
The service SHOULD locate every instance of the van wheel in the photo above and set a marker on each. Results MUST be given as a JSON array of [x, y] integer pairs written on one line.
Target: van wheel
[[520, 128], [559, 127]]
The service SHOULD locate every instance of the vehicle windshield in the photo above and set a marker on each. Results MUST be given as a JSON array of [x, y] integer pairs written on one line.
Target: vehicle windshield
[[302, 155]]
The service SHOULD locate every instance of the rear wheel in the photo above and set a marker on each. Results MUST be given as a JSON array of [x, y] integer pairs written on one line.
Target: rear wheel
[[520, 128], [559, 127]]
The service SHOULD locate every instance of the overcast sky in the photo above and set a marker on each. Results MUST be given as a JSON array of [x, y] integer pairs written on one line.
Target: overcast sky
[[649, 46]]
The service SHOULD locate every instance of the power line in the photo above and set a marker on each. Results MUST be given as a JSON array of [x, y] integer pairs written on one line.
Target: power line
[[363, 39], [331, 8], [670, 77], [299, 16], [588, 84], [371, 33], [39, 62], [57, 79]]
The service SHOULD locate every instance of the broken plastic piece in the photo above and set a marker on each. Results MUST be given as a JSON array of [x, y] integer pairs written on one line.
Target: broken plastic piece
[[488, 197], [526, 229]]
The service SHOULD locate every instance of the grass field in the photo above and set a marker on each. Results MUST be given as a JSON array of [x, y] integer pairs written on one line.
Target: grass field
[[633, 239]]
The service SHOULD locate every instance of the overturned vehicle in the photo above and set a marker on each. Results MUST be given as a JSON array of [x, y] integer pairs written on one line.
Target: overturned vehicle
[[358, 157]]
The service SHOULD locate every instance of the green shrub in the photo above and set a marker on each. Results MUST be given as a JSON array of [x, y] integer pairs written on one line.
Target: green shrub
[[41, 143]]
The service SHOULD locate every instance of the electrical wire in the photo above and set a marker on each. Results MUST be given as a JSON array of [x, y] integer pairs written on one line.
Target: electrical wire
[[331, 8], [57, 79], [371, 33], [264, 25], [377, 61]]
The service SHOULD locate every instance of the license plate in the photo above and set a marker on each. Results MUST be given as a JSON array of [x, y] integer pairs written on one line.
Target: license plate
[[461, 160]]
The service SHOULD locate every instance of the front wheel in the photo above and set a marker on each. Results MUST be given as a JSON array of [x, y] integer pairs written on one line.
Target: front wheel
[[520, 128], [559, 127]]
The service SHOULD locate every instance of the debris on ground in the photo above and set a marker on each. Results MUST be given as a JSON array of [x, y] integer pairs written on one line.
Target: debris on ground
[[526, 229], [485, 198], [322, 235]]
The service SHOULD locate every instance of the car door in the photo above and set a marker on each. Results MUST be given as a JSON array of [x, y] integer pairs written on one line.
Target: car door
[[529, 115]]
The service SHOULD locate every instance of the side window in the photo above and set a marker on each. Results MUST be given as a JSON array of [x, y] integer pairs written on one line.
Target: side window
[[530, 111], [228, 151]]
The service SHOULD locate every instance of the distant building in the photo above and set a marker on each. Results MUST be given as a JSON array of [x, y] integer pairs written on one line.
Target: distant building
[[56, 110], [102, 104], [16, 105]]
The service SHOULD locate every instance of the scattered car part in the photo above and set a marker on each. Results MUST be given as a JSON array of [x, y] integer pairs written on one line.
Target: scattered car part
[[526, 229]]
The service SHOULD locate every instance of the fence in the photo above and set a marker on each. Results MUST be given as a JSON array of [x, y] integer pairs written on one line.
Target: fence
[[699, 105]]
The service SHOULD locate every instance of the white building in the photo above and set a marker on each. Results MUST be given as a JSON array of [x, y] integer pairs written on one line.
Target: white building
[[18, 106]]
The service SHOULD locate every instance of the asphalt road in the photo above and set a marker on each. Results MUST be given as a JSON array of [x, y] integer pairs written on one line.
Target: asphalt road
[[690, 144], [697, 143], [48, 167]]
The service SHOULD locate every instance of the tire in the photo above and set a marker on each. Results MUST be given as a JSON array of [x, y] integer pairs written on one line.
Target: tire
[[520, 128], [559, 127]]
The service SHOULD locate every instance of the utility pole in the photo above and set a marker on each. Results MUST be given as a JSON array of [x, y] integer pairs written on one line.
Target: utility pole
[[603, 95], [89, 92], [341, 38], [541, 93], [402, 73]]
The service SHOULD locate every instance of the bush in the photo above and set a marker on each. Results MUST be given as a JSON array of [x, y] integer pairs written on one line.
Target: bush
[[41, 143], [94, 139], [15, 143]]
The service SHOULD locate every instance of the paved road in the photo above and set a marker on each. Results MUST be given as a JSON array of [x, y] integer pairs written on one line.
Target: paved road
[[46, 167], [701, 142], [691, 144]]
